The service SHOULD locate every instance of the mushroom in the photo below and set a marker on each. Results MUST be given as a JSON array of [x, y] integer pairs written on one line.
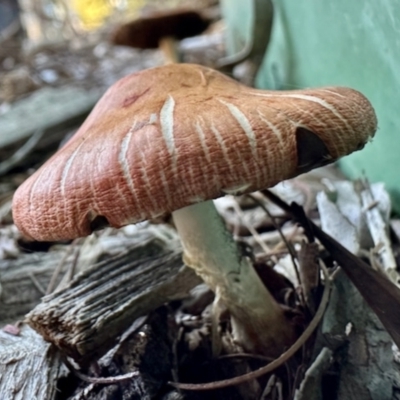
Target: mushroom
[[161, 29], [171, 139]]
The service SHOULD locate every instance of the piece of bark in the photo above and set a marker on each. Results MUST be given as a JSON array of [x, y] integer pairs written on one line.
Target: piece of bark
[[29, 367], [365, 355], [365, 358], [86, 317]]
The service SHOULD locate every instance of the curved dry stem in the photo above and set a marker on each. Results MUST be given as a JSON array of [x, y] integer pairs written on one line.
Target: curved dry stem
[[277, 362]]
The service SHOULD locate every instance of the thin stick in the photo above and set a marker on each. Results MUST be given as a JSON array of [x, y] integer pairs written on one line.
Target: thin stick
[[278, 228], [36, 283], [52, 284], [251, 229]]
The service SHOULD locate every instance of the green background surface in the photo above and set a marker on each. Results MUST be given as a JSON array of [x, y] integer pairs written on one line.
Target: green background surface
[[341, 42]]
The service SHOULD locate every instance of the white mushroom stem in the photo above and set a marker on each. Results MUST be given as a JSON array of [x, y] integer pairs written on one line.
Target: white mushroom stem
[[257, 319]]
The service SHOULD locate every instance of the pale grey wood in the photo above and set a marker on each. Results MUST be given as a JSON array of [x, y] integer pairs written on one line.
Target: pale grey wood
[[18, 292], [49, 110], [85, 318], [29, 367]]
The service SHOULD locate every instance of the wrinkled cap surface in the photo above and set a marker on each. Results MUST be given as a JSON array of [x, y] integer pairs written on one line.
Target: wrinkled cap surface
[[168, 137]]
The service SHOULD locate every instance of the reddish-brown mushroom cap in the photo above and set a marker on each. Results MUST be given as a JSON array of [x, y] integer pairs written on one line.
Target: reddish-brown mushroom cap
[[146, 32], [172, 136]]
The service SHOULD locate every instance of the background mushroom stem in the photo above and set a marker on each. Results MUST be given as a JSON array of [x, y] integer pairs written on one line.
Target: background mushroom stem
[[258, 321], [169, 48]]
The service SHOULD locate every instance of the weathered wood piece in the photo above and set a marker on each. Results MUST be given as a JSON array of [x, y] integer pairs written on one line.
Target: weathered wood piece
[[85, 318], [52, 110], [29, 367], [24, 280]]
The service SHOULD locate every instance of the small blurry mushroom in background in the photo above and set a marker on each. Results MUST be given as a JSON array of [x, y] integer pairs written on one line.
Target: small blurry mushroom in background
[[161, 29], [171, 139]]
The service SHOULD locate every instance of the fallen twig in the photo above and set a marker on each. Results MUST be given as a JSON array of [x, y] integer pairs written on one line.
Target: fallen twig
[[36, 283], [57, 271], [251, 229], [109, 380], [278, 228]]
